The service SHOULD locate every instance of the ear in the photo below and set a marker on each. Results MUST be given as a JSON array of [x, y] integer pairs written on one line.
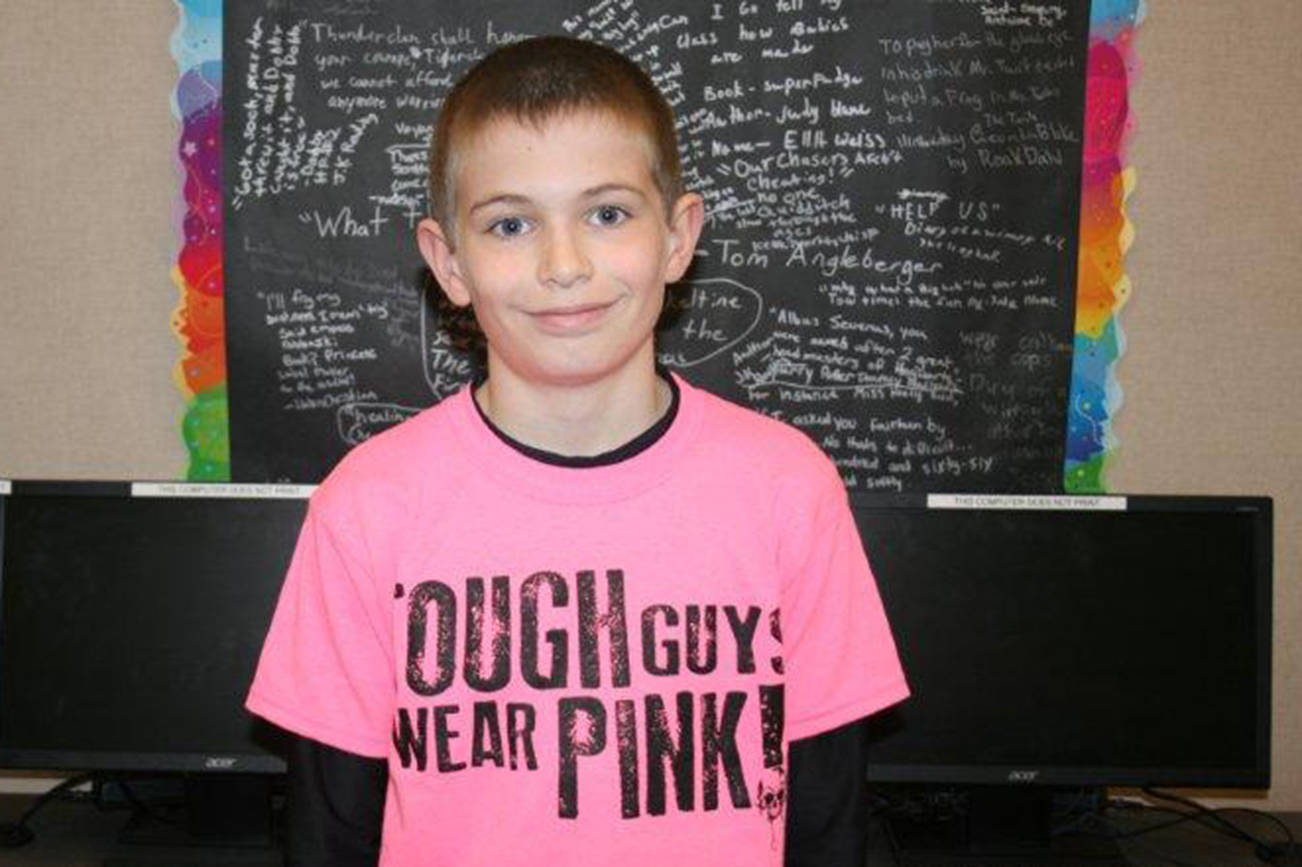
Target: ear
[[438, 252], [685, 222]]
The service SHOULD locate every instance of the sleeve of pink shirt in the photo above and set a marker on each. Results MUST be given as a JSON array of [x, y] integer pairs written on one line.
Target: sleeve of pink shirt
[[326, 665], [838, 653]]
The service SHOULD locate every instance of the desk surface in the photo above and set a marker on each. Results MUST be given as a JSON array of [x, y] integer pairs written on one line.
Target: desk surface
[[72, 834]]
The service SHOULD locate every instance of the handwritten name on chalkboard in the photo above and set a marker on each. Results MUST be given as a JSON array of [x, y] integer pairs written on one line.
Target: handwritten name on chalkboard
[[889, 259]]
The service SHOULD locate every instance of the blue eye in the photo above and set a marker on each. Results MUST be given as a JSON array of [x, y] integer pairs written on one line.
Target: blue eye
[[609, 215], [508, 227]]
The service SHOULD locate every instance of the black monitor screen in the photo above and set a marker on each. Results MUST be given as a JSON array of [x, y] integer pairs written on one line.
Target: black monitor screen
[[131, 625], [1077, 646]]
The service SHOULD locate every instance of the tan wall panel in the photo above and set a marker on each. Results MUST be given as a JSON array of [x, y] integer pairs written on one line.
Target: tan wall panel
[[1210, 374], [87, 238]]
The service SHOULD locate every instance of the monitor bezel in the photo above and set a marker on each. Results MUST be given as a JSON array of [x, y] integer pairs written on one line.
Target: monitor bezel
[[1261, 508], [269, 761]]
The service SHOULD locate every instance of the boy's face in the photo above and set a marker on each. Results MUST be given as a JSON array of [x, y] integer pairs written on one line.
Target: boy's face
[[562, 246]]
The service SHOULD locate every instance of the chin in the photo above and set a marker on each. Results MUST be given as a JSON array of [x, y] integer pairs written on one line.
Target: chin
[[575, 370]]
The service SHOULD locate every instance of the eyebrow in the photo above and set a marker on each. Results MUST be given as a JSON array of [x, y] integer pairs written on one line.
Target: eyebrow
[[516, 200], [499, 199], [602, 189]]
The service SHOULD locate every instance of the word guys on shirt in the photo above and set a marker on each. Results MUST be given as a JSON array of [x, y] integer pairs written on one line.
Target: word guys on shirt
[[676, 642]]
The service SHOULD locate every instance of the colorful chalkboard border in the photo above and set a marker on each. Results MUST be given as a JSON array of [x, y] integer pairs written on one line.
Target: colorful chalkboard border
[[198, 321], [1102, 287]]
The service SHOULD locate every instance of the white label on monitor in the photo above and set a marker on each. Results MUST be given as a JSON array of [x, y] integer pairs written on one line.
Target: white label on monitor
[[1026, 501], [5, 487], [221, 491]]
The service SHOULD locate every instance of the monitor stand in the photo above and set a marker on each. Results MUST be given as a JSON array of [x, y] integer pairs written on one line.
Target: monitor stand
[[223, 819], [991, 825]]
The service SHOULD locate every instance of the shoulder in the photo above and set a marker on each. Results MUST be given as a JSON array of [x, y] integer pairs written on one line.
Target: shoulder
[[393, 468], [729, 426], [778, 452]]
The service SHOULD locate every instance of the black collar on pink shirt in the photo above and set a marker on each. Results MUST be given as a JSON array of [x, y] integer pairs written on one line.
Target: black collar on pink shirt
[[635, 446]]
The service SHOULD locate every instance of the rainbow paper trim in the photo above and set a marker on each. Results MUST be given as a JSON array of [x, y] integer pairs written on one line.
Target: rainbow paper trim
[[198, 321], [1106, 232]]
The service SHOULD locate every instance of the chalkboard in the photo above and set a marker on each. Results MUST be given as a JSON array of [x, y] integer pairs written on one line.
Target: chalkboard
[[889, 259]]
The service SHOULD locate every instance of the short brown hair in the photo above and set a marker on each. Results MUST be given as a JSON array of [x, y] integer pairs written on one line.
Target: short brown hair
[[537, 79]]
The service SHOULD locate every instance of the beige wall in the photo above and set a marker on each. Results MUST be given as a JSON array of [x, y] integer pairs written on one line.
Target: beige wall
[[88, 180], [87, 235], [1214, 328]]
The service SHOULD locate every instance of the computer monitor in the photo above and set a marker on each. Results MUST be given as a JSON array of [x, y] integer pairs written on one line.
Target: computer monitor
[[131, 618], [1075, 641]]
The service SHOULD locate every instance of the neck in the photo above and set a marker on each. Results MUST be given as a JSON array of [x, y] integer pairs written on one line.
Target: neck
[[576, 420]]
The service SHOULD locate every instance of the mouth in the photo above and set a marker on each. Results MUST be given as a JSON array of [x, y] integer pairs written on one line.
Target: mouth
[[571, 319]]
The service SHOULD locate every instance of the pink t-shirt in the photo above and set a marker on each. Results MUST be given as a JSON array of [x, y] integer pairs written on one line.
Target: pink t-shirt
[[579, 665]]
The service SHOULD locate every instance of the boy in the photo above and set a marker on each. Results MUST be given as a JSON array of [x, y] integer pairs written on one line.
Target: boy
[[578, 612]]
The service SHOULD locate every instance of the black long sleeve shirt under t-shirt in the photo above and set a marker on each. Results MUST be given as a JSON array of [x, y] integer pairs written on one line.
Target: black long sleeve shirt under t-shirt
[[336, 798], [336, 803]]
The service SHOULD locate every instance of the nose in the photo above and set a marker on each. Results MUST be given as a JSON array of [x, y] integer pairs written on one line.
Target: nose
[[563, 262]]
